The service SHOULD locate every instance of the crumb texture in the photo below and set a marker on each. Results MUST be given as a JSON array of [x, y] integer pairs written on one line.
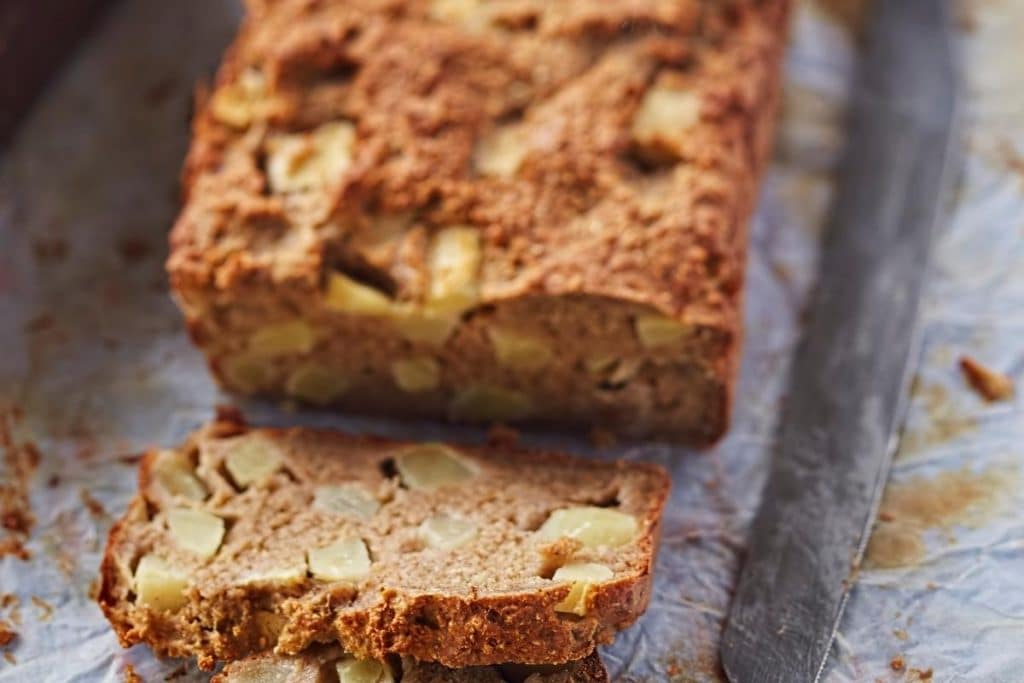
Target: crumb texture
[[245, 540]]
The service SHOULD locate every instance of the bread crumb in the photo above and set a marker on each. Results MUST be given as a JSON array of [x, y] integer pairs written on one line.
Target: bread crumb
[[901, 634], [897, 663], [130, 676], [7, 633], [987, 383], [15, 548], [94, 507], [21, 459]]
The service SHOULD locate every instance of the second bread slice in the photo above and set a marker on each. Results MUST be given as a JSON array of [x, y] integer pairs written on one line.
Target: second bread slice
[[245, 540], [328, 664]]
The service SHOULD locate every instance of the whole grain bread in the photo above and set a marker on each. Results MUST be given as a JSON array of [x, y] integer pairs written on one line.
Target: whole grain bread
[[244, 540], [514, 210], [320, 665]]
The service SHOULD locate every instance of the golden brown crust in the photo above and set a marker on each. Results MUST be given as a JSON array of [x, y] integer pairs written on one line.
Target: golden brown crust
[[505, 615], [990, 384], [586, 213]]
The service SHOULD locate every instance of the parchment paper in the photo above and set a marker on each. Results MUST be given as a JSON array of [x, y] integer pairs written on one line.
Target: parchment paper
[[95, 366]]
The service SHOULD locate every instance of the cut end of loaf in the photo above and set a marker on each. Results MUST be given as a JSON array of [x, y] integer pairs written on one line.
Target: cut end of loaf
[[244, 540]]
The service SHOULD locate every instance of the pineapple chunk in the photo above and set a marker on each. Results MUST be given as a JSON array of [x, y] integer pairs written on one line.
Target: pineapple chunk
[[344, 560], [592, 526], [307, 161], [347, 295], [240, 103], [278, 339], [429, 466], [485, 404], [251, 459], [664, 117], [657, 330], [519, 351], [500, 153], [446, 532], [247, 372], [349, 500], [317, 384], [174, 473], [583, 575], [160, 585], [196, 531], [363, 671], [431, 328], [416, 374], [454, 263]]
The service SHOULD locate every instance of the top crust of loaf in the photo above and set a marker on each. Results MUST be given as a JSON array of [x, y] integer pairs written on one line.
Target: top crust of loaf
[[314, 667], [490, 600], [582, 205]]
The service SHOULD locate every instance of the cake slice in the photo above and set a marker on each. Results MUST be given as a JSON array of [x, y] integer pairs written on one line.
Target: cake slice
[[328, 664], [245, 540], [513, 211]]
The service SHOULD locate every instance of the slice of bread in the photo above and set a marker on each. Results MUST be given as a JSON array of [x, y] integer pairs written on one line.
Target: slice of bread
[[329, 664], [245, 540]]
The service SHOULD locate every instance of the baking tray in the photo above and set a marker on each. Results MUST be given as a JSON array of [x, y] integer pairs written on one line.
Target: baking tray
[[95, 366]]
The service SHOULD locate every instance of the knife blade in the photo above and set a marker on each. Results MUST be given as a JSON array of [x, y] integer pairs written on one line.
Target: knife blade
[[849, 378]]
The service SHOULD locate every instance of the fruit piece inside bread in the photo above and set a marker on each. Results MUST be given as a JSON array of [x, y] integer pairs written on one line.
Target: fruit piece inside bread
[[329, 664], [245, 540]]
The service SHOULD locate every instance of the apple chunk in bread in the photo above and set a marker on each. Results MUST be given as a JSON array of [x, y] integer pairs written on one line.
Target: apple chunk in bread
[[592, 526], [430, 466], [159, 584], [583, 575], [196, 531], [344, 560]]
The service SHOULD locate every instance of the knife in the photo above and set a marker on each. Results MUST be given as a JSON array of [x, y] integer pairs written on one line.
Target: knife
[[850, 378]]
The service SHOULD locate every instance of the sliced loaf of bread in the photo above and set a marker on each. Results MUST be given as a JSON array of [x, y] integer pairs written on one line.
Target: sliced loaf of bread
[[247, 540], [329, 664]]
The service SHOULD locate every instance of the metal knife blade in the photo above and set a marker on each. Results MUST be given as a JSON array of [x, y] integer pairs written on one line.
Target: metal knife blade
[[850, 374]]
